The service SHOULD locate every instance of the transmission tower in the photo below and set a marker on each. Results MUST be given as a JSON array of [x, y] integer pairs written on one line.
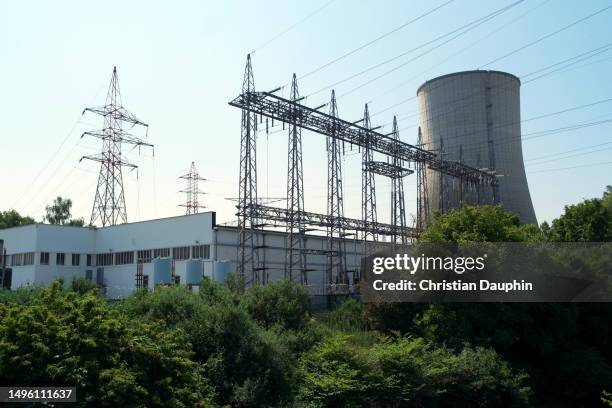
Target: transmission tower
[[398, 210], [335, 203], [422, 189], [296, 257], [109, 202], [192, 205], [247, 194], [368, 188]]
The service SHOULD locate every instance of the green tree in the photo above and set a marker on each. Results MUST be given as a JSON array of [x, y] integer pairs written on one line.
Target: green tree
[[588, 221], [479, 224], [11, 218], [59, 213], [247, 365], [406, 372], [64, 338]]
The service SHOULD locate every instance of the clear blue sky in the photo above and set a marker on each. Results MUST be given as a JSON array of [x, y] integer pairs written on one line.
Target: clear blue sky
[[180, 62]]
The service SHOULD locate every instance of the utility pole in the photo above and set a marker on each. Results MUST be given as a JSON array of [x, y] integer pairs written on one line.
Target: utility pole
[[422, 189], [109, 202], [296, 257], [192, 205]]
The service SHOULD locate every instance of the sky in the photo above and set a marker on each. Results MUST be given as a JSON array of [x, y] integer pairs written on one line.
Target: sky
[[181, 62]]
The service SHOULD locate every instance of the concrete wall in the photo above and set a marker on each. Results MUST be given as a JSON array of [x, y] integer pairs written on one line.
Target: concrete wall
[[474, 117]]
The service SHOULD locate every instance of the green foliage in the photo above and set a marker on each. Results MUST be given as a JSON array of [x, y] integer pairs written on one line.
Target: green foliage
[[63, 338], [247, 365], [11, 218], [589, 221], [81, 285], [402, 372], [59, 213], [479, 224], [282, 303], [606, 397]]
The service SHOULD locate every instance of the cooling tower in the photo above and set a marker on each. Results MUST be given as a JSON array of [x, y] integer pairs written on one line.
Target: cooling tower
[[474, 117]]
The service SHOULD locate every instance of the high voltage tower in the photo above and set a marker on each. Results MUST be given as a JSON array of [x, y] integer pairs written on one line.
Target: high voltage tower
[[336, 258], [192, 205], [253, 216], [109, 202], [368, 186], [296, 257]]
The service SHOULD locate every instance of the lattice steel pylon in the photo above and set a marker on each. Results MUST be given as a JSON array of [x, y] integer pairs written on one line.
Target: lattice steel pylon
[[423, 211], [248, 259], [192, 205], [368, 187], [109, 202], [295, 262], [398, 209], [336, 262]]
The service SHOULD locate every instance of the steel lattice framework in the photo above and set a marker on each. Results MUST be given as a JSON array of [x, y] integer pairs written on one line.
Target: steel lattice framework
[[252, 214], [336, 262], [248, 256], [368, 184], [192, 205], [281, 109], [109, 202], [295, 263]]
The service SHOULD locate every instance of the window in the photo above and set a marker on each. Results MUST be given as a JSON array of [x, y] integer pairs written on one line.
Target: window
[[89, 256], [144, 256], [60, 258], [201, 252], [28, 258], [180, 253], [123, 258], [76, 259], [17, 259], [161, 253], [44, 258], [104, 259]]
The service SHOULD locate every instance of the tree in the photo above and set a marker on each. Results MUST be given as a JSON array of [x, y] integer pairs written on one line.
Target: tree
[[479, 224], [11, 218], [66, 338], [59, 213], [588, 221]]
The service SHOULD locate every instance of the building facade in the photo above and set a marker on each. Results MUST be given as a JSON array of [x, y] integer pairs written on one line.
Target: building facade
[[124, 257]]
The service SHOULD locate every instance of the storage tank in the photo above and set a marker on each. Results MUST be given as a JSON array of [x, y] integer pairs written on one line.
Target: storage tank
[[474, 117], [193, 272], [221, 270], [162, 271]]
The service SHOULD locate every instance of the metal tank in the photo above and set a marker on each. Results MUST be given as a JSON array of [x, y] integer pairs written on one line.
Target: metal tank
[[474, 117]]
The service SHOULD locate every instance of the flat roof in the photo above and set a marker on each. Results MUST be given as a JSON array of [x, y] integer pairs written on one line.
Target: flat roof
[[474, 71]]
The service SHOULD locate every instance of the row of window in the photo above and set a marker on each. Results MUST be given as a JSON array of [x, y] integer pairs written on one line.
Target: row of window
[[26, 258], [118, 258]]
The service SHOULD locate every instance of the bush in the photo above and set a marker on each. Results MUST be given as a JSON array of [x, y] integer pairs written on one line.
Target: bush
[[62, 339]]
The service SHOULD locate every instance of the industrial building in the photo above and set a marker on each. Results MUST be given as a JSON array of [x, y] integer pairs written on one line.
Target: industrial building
[[124, 257], [473, 118]]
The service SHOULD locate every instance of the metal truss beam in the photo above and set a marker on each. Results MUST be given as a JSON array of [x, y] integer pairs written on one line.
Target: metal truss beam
[[284, 110]]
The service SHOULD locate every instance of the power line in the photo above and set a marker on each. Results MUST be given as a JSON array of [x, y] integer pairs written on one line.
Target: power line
[[486, 36], [567, 151], [476, 21], [277, 36], [367, 44], [467, 30], [571, 168], [540, 39]]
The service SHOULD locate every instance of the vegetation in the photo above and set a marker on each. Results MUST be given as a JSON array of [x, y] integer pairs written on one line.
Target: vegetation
[[59, 213], [11, 218], [262, 347]]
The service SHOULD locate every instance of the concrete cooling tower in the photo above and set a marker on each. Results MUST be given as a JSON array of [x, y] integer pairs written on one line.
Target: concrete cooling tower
[[474, 117]]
